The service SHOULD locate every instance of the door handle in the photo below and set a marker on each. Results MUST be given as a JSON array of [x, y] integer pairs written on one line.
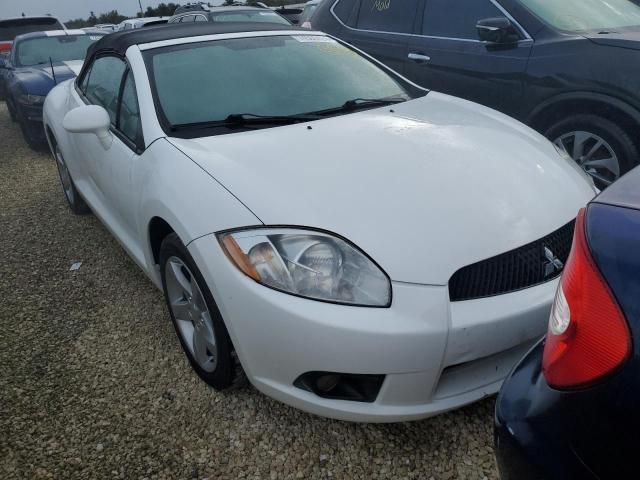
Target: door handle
[[418, 57]]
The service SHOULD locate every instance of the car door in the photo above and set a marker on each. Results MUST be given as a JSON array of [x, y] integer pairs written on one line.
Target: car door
[[382, 29], [107, 171], [449, 57]]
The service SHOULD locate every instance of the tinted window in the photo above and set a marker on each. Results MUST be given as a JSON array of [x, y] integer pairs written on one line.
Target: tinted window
[[104, 82], [586, 15], [387, 15], [10, 29], [457, 18], [277, 75], [129, 120], [201, 18], [249, 16], [343, 10], [187, 19], [40, 50]]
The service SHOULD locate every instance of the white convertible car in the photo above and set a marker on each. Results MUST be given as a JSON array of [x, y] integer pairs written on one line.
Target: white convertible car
[[362, 248]]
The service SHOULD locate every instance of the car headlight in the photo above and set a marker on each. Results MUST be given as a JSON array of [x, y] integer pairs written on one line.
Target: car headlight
[[29, 99], [309, 264]]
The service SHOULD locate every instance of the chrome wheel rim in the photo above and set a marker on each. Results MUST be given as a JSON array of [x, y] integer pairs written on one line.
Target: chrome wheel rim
[[65, 176], [593, 154], [192, 316]]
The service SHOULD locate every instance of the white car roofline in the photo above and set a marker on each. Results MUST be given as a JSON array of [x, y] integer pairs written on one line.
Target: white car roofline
[[223, 36]]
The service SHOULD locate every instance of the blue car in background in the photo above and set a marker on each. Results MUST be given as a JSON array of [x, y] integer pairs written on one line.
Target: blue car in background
[[571, 408], [39, 61]]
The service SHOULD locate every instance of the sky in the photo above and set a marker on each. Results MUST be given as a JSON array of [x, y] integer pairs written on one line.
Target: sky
[[70, 9]]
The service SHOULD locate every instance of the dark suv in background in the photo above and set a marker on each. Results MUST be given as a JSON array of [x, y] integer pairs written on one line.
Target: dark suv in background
[[569, 68]]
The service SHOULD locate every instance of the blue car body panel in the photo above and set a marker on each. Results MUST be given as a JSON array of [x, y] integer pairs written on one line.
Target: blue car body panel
[[591, 433], [36, 80]]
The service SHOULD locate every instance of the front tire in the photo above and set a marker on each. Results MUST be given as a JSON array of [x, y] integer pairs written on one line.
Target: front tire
[[602, 148], [196, 318], [74, 199]]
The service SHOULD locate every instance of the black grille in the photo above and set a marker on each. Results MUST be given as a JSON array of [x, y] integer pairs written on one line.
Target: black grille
[[520, 268]]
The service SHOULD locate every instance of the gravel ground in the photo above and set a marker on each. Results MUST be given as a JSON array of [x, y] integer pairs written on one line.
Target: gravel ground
[[94, 384]]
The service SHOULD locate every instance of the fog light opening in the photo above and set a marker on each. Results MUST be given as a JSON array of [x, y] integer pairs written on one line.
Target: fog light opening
[[341, 386]]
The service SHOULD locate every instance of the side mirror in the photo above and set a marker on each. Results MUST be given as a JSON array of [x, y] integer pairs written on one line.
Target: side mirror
[[90, 119], [497, 30]]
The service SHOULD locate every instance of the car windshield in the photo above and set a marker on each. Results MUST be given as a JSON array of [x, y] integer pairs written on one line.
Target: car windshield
[[586, 15], [61, 48], [249, 16], [268, 76], [10, 29]]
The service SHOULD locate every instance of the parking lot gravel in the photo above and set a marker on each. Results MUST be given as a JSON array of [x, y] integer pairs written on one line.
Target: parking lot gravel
[[94, 384]]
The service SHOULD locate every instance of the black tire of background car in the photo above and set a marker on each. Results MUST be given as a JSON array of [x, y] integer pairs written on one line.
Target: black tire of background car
[[32, 142], [625, 148], [228, 373], [12, 111], [77, 204]]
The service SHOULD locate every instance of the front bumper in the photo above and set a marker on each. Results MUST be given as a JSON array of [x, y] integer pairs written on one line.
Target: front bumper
[[32, 116], [435, 355]]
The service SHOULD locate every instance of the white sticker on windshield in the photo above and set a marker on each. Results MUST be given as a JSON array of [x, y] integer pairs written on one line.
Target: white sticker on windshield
[[94, 37], [314, 39]]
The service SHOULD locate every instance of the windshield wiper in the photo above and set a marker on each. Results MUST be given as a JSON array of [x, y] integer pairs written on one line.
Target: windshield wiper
[[362, 103], [248, 119]]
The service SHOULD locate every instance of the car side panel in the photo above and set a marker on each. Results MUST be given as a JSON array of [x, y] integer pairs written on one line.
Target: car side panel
[[174, 188], [558, 67]]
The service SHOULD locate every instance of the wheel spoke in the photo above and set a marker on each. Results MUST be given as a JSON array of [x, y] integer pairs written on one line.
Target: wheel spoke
[[579, 139], [180, 309], [203, 349], [600, 178], [183, 281], [594, 149], [610, 164]]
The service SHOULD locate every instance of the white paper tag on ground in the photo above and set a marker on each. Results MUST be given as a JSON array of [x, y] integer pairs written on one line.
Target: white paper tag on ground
[[75, 266]]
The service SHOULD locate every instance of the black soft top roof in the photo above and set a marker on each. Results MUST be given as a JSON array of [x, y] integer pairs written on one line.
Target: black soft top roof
[[119, 42]]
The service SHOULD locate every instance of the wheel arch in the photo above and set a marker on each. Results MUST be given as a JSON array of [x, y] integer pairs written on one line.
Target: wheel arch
[[157, 230], [612, 108]]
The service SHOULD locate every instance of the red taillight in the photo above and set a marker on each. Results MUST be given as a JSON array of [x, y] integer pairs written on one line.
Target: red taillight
[[588, 335], [5, 46]]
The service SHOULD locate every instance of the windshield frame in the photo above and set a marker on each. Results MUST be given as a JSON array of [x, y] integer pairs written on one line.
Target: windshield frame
[[412, 90], [524, 4]]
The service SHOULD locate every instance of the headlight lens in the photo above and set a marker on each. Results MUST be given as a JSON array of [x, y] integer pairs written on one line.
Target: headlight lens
[[29, 99], [309, 264]]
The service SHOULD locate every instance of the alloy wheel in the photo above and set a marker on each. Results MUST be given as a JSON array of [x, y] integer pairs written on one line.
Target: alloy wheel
[[192, 316], [596, 157]]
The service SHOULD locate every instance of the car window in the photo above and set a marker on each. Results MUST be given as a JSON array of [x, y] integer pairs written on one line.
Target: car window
[[103, 86], [586, 15], [249, 16], [395, 16], [187, 19], [274, 75], [456, 18], [201, 18], [307, 12], [10, 29], [129, 117], [343, 10]]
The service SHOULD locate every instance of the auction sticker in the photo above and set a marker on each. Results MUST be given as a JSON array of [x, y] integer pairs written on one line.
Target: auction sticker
[[314, 39]]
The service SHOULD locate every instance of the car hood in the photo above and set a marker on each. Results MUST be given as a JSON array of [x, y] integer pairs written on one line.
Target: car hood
[[39, 80], [424, 187], [624, 39]]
